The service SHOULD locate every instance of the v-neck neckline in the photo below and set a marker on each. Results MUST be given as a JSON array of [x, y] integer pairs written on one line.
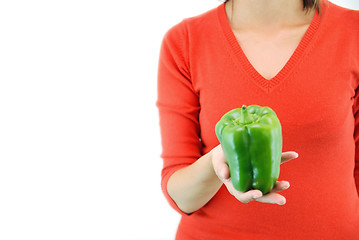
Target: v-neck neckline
[[268, 84]]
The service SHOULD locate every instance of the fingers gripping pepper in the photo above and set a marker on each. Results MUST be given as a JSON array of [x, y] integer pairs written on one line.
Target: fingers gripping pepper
[[251, 138]]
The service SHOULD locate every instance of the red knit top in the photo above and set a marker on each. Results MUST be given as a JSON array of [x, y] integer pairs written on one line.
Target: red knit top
[[203, 73]]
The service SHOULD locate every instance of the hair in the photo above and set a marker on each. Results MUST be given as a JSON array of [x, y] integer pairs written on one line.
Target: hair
[[307, 4]]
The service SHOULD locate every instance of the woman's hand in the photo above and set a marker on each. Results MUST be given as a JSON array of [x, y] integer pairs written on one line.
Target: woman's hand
[[222, 171]]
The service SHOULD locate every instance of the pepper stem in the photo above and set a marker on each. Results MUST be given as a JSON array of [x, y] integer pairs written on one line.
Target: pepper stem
[[245, 117]]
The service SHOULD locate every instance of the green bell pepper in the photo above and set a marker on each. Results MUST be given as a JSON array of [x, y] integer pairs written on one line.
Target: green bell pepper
[[251, 139]]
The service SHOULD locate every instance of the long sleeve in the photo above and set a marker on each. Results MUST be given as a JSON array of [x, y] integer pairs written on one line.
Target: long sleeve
[[178, 106], [356, 137], [355, 74]]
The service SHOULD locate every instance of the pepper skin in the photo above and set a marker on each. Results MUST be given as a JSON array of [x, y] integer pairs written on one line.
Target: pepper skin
[[251, 139]]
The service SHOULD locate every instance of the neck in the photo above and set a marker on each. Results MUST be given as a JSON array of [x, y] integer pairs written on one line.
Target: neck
[[269, 15]]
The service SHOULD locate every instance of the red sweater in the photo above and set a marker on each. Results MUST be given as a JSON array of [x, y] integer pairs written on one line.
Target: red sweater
[[203, 73]]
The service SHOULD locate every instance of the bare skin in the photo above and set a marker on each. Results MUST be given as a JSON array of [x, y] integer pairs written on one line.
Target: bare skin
[[266, 30], [222, 171], [193, 186]]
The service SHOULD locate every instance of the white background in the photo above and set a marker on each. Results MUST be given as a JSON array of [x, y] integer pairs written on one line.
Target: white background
[[79, 135]]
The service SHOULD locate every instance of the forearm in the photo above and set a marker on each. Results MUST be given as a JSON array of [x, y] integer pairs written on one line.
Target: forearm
[[193, 186]]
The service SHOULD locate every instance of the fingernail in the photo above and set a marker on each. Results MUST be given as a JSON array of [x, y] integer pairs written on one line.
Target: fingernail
[[282, 202], [256, 196]]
